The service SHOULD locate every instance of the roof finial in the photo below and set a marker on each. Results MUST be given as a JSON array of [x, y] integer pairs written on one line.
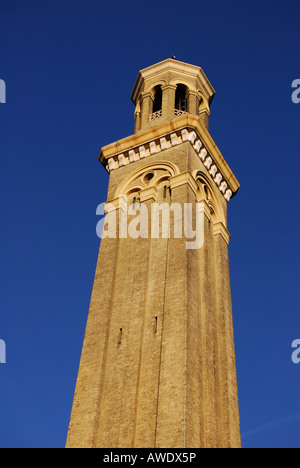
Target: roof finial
[[173, 57]]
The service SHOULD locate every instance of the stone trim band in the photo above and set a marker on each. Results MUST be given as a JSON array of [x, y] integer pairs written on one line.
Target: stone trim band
[[168, 141]]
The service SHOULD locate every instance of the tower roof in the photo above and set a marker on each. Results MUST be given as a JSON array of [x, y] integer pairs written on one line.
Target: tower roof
[[190, 72]]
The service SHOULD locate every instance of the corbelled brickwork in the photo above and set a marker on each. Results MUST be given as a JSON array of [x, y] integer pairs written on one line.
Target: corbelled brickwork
[[158, 361]]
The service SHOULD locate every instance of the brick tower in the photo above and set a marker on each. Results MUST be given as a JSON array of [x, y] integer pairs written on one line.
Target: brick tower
[[158, 363]]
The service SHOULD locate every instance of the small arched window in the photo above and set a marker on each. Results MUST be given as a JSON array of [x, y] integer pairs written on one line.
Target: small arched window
[[181, 102], [157, 103]]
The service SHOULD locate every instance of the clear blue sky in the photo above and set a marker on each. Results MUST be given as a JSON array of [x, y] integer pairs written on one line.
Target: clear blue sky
[[70, 68]]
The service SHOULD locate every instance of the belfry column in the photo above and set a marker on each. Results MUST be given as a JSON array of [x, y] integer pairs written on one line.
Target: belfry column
[[168, 101], [193, 102], [146, 108]]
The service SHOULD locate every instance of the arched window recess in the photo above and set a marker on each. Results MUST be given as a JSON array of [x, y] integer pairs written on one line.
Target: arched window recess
[[157, 103], [181, 100]]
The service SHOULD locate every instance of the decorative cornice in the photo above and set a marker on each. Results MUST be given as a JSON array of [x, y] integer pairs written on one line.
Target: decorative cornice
[[184, 178], [220, 229], [148, 194], [183, 129], [147, 95], [169, 86]]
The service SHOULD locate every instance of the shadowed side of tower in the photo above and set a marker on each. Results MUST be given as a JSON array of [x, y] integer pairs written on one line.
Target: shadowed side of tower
[[158, 363]]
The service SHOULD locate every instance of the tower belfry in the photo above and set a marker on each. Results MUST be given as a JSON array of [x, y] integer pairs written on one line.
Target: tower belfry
[[158, 363]]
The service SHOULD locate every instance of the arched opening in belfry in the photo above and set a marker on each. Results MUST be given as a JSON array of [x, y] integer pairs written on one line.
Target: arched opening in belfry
[[157, 103], [181, 101]]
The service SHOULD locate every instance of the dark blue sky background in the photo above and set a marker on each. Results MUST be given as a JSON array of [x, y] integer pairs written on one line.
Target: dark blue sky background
[[70, 68]]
